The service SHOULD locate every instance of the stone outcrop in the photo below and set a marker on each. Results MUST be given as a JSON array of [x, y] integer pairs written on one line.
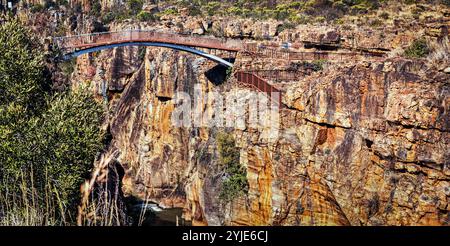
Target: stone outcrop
[[361, 142], [377, 137]]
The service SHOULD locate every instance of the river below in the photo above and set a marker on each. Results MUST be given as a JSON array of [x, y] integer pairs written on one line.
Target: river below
[[150, 214]]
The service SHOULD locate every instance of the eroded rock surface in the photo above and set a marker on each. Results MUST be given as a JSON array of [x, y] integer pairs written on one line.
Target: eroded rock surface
[[361, 142], [358, 145]]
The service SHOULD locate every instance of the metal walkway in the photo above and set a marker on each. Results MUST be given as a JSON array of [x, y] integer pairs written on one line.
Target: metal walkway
[[73, 46], [76, 45]]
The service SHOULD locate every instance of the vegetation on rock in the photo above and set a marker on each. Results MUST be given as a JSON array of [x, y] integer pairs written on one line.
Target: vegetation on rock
[[418, 49], [295, 12], [235, 182]]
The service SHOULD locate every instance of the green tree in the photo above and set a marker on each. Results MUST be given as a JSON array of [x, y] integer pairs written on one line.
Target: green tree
[[47, 142], [22, 68], [22, 87], [66, 139]]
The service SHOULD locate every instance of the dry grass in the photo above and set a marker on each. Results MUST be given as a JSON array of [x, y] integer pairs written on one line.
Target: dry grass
[[440, 53], [24, 206], [105, 209], [101, 203]]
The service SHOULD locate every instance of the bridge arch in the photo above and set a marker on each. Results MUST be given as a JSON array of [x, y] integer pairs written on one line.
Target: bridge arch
[[149, 44]]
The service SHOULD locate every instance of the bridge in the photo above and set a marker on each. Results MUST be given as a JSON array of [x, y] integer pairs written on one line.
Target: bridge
[[73, 46], [76, 45]]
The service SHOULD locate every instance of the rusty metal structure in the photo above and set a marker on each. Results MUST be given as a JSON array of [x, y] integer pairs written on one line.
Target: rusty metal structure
[[254, 81], [290, 55], [76, 45], [83, 41], [73, 46]]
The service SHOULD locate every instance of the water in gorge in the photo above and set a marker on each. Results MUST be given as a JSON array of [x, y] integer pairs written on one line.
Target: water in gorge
[[150, 214]]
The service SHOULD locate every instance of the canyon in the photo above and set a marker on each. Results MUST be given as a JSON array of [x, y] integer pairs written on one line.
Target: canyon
[[363, 140]]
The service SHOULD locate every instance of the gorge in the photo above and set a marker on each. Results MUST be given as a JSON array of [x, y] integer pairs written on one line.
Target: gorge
[[363, 136]]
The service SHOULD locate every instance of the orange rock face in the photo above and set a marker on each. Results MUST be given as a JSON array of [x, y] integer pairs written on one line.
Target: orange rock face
[[367, 147], [361, 142]]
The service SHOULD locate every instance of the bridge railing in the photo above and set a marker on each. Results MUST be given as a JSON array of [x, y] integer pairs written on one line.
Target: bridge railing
[[278, 75], [286, 54], [259, 83], [105, 38]]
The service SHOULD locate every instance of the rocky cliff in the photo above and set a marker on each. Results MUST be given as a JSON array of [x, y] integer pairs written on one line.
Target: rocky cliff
[[361, 141]]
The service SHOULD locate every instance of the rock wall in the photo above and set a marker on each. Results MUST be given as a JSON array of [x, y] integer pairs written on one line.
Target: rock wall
[[362, 142], [377, 139]]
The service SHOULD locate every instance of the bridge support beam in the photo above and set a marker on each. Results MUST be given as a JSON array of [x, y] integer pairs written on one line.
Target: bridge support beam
[[150, 44]]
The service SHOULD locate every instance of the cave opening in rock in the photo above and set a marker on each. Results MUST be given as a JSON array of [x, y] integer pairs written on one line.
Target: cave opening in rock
[[219, 73]]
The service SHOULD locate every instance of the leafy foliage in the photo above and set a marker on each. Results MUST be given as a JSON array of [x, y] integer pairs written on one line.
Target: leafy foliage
[[96, 8], [45, 140], [37, 8], [229, 73], [293, 11], [66, 139], [67, 67], [131, 10], [446, 2], [135, 6], [146, 16], [22, 70], [168, 11], [285, 26], [418, 49], [235, 183], [316, 65]]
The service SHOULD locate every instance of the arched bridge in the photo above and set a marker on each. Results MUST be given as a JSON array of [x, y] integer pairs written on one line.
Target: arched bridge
[[73, 46], [76, 45]]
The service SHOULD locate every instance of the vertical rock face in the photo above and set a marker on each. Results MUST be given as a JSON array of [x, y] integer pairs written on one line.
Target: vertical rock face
[[153, 153], [358, 145], [159, 159], [377, 141]]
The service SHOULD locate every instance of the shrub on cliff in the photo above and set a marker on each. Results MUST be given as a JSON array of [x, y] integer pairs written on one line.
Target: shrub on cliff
[[96, 8], [146, 16], [418, 49], [47, 142], [132, 9], [35, 8], [135, 6], [235, 181], [212, 8], [446, 2]]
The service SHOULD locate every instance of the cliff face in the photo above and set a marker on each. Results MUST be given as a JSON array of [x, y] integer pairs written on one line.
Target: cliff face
[[361, 142], [376, 139]]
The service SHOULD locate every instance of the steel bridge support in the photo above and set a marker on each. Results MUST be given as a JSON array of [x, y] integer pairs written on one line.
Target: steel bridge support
[[150, 44]]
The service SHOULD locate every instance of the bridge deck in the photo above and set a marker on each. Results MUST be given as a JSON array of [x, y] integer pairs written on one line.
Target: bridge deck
[[254, 79], [107, 38]]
